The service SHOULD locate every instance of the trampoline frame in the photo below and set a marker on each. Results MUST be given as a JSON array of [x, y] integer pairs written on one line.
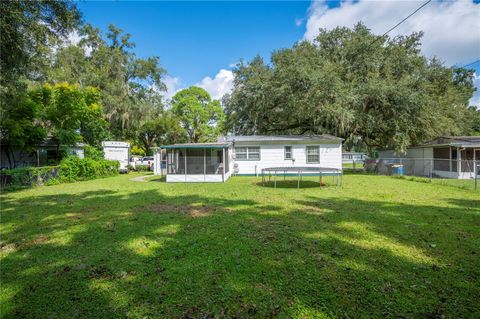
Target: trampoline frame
[[337, 173]]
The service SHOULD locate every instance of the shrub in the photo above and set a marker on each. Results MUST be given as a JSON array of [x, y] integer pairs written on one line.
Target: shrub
[[142, 168], [75, 169], [135, 150], [71, 169], [29, 176], [93, 153]]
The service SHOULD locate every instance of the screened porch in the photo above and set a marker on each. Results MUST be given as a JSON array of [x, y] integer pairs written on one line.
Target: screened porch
[[200, 162]]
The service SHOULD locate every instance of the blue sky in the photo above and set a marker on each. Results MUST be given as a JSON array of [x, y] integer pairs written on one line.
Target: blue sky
[[196, 39], [198, 42]]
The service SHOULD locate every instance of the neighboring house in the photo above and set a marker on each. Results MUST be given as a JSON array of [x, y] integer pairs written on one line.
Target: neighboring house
[[248, 155], [47, 153], [354, 156], [446, 156]]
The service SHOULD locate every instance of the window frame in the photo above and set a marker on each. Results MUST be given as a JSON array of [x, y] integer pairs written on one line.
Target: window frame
[[306, 154], [285, 152], [247, 153]]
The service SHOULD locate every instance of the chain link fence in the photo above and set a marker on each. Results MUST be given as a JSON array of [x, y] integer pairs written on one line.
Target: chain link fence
[[461, 173]]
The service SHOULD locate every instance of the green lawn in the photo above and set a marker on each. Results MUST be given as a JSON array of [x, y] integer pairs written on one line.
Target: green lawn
[[113, 248]]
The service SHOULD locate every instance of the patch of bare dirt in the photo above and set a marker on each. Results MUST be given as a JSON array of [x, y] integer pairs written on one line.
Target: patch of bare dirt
[[194, 211], [8, 247], [38, 240]]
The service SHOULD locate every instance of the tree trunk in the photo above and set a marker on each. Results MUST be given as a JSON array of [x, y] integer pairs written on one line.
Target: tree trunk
[[37, 156], [7, 152]]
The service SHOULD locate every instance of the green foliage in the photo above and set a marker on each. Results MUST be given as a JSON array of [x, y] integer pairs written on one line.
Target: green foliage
[[75, 169], [136, 150], [93, 153], [202, 118], [472, 124], [29, 30], [66, 113], [70, 113], [29, 176], [165, 129], [19, 127], [382, 94], [71, 169], [142, 168], [131, 87]]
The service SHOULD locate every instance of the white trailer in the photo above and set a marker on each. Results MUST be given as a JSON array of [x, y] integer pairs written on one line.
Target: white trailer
[[117, 151]]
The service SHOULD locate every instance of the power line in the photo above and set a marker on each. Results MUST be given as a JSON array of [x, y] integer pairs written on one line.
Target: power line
[[395, 26], [406, 18], [474, 62]]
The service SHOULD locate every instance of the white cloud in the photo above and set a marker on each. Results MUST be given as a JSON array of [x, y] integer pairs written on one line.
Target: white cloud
[[173, 84], [475, 100], [299, 22], [221, 84], [452, 28], [74, 38]]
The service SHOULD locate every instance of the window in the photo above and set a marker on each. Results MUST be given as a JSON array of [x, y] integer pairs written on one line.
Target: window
[[247, 153], [288, 152], [241, 153], [313, 154]]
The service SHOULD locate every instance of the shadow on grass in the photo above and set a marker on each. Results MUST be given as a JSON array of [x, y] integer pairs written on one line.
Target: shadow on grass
[[290, 184], [107, 255]]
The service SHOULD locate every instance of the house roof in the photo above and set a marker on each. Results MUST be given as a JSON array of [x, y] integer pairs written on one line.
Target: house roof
[[280, 138], [455, 141], [198, 145]]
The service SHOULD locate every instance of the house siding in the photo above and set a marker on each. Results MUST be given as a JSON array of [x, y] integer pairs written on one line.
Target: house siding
[[272, 155]]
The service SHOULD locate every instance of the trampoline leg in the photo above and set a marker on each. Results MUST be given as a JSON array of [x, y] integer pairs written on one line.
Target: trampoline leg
[[275, 180], [321, 179], [263, 179], [284, 175], [298, 180]]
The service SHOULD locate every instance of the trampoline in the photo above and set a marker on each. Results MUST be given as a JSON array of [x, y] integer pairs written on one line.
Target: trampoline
[[321, 171]]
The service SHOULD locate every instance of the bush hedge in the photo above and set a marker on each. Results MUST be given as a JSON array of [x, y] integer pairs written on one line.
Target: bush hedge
[[71, 169], [142, 167], [29, 176]]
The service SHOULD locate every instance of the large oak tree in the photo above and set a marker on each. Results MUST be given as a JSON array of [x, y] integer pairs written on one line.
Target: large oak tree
[[380, 91]]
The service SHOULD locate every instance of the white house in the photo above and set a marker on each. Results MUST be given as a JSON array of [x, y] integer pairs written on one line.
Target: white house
[[248, 155]]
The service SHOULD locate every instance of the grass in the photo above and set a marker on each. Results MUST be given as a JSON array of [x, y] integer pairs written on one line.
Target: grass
[[112, 248], [349, 165]]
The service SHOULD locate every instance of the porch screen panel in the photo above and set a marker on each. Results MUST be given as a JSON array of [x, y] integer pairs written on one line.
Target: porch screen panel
[[195, 161], [226, 161], [467, 163], [175, 161], [441, 159], [213, 164], [210, 163]]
